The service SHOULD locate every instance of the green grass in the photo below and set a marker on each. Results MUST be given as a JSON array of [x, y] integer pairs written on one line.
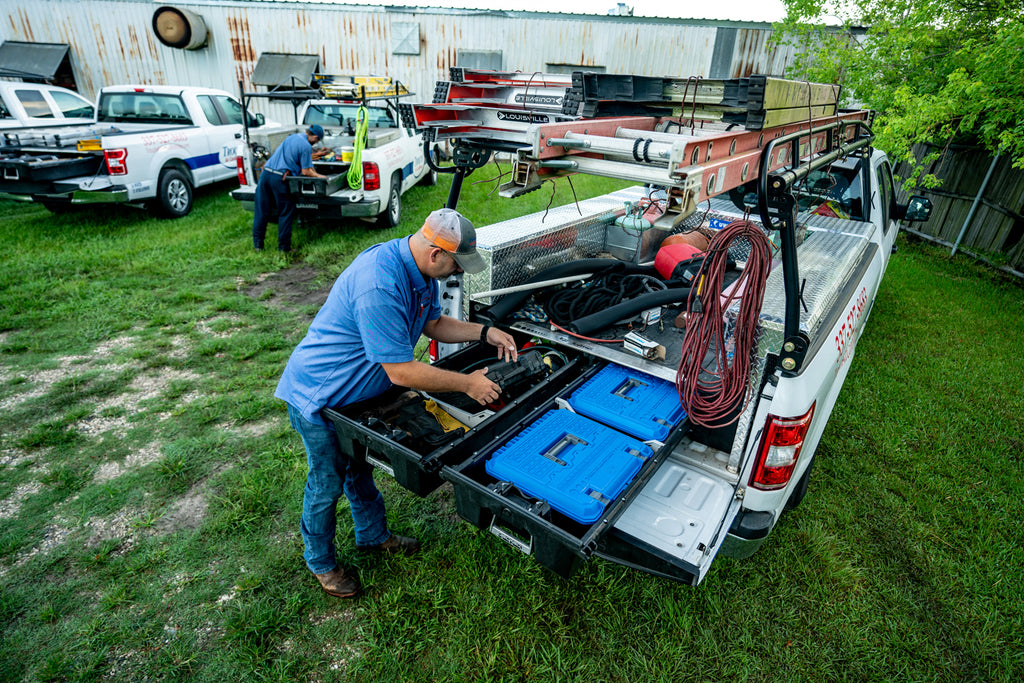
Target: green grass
[[154, 489]]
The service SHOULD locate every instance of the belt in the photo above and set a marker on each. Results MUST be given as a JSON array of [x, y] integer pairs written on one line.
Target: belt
[[274, 171]]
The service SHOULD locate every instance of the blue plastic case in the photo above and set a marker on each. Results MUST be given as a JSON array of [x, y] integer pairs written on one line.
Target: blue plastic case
[[575, 464], [641, 405]]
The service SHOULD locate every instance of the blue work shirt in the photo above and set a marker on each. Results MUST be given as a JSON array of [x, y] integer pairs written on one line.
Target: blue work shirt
[[374, 314], [294, 154]]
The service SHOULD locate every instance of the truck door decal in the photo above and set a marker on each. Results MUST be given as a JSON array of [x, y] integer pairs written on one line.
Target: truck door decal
[[407, 170], [203, 160], [846, 337]]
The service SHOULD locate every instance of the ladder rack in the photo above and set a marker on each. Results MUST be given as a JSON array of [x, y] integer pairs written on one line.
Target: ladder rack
[[695, 137]]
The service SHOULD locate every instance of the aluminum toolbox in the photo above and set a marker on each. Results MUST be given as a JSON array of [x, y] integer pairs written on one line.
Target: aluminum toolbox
[[575, 464], [529, 524], [414, 468], [304, 186], [641, 405]]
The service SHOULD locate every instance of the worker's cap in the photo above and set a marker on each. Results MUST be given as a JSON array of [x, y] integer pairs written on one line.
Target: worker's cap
[[317, 130], [451, 231]]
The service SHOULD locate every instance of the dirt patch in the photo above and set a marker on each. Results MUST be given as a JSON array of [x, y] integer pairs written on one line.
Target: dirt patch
[[186, 513], [290, 289], [112, 470]]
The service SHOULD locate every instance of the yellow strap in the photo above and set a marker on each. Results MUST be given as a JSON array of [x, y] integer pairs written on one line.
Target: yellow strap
[[448, 423]]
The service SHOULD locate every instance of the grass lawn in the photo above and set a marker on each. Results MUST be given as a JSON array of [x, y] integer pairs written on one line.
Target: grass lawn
[[150, 488]]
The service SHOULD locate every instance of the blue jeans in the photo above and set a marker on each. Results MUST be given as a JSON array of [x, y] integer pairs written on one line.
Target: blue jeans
[[271, 191], [331, 473]]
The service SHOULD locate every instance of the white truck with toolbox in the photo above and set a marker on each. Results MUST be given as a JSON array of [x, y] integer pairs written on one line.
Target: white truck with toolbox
[[150, 145], [683, 342], [371, 162]]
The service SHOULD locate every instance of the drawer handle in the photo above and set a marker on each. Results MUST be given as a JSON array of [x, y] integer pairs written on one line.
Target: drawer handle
[[627, 386], [560, 445]]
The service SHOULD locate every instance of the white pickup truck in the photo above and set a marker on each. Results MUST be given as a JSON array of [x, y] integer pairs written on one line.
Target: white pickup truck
[[150, 145], [391, 162], [38, 105], [616, 436]]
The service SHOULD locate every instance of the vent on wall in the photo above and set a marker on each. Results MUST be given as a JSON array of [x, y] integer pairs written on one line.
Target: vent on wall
[[179, 28]]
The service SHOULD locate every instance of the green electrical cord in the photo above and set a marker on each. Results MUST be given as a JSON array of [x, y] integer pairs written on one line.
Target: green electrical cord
[[355, 171]]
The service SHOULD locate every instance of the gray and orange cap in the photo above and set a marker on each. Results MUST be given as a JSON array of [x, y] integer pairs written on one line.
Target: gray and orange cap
[[450, 230]]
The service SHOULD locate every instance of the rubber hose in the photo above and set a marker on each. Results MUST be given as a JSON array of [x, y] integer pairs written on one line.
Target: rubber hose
[[511, 302], [609, 316]]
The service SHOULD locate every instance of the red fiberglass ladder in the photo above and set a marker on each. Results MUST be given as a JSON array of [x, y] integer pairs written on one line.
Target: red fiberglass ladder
[[696, 138]]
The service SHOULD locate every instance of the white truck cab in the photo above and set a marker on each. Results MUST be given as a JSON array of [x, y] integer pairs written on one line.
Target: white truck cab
[[35, 105]]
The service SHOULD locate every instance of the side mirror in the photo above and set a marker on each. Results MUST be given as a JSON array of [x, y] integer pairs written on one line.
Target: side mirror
[[918, 208], [260, 120]]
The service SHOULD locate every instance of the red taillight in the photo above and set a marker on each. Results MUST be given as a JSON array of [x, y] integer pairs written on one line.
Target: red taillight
[[240, 165], [371, 176], [116, 161], [780, 448], [432, 348]]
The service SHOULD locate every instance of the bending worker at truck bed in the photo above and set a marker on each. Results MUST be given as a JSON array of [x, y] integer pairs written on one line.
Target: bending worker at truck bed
[[294, 156], [360, 343]]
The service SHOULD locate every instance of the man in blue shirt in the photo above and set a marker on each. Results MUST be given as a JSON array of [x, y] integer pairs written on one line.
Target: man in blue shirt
[[360, 344], [294, 156]]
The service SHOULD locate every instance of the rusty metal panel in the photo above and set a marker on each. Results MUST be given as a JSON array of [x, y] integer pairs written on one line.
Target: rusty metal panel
[[112, 42]]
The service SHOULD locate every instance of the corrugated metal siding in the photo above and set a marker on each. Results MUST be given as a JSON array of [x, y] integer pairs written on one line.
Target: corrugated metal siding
[[112, 42]]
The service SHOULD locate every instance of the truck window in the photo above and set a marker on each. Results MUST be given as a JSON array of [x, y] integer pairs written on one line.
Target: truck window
[[343, 115], [35, 104], [835, 191], [72, 106], [5, 113], [232, 110], [210, 110], [141, 107]]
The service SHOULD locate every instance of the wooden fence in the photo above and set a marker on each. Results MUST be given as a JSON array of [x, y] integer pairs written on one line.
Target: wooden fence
[[996, 228]]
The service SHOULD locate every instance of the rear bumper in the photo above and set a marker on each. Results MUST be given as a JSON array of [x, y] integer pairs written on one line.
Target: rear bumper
[[112, 195], [749, 530], [339, 205]]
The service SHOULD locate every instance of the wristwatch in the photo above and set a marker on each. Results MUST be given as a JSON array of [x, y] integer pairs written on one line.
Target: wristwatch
[[483, 333]]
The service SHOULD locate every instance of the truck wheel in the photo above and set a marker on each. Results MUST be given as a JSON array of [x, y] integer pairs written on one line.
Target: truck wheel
[[174, 193], [58, 207], [393, 213], [430, 179]]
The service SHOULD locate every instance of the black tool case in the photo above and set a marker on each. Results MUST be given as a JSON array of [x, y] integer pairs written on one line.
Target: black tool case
[[46, 168], [528, 524], [418, 468], [306, 186]]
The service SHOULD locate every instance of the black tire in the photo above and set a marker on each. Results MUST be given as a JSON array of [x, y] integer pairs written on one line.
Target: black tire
[[175, 193], [392, 214], [430, 179], [58, 207], [801, 489]]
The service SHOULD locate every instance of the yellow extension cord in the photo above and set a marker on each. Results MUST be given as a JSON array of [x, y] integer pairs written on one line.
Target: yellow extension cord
[[355, 171]]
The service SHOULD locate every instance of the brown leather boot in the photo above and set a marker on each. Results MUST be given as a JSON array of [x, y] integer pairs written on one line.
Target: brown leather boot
[[394, 545], [338, 584]]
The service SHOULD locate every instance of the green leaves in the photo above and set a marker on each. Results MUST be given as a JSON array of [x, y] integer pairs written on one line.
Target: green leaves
[[936, 71]]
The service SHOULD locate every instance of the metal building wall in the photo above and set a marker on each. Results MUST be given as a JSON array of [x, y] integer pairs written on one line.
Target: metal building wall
[[112, 42]]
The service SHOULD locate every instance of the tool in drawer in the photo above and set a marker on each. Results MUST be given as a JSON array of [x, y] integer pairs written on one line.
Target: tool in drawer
[[511, 377]]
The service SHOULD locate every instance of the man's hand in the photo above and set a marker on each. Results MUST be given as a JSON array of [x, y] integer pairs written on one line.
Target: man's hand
[[320, 153], [506, 344], [481, 389]]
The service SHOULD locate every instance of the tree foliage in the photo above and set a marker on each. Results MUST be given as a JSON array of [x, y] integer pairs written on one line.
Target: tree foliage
[[936, 71]]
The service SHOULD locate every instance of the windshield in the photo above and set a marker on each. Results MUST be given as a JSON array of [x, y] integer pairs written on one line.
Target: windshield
[[338, 115], [141, 107]]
